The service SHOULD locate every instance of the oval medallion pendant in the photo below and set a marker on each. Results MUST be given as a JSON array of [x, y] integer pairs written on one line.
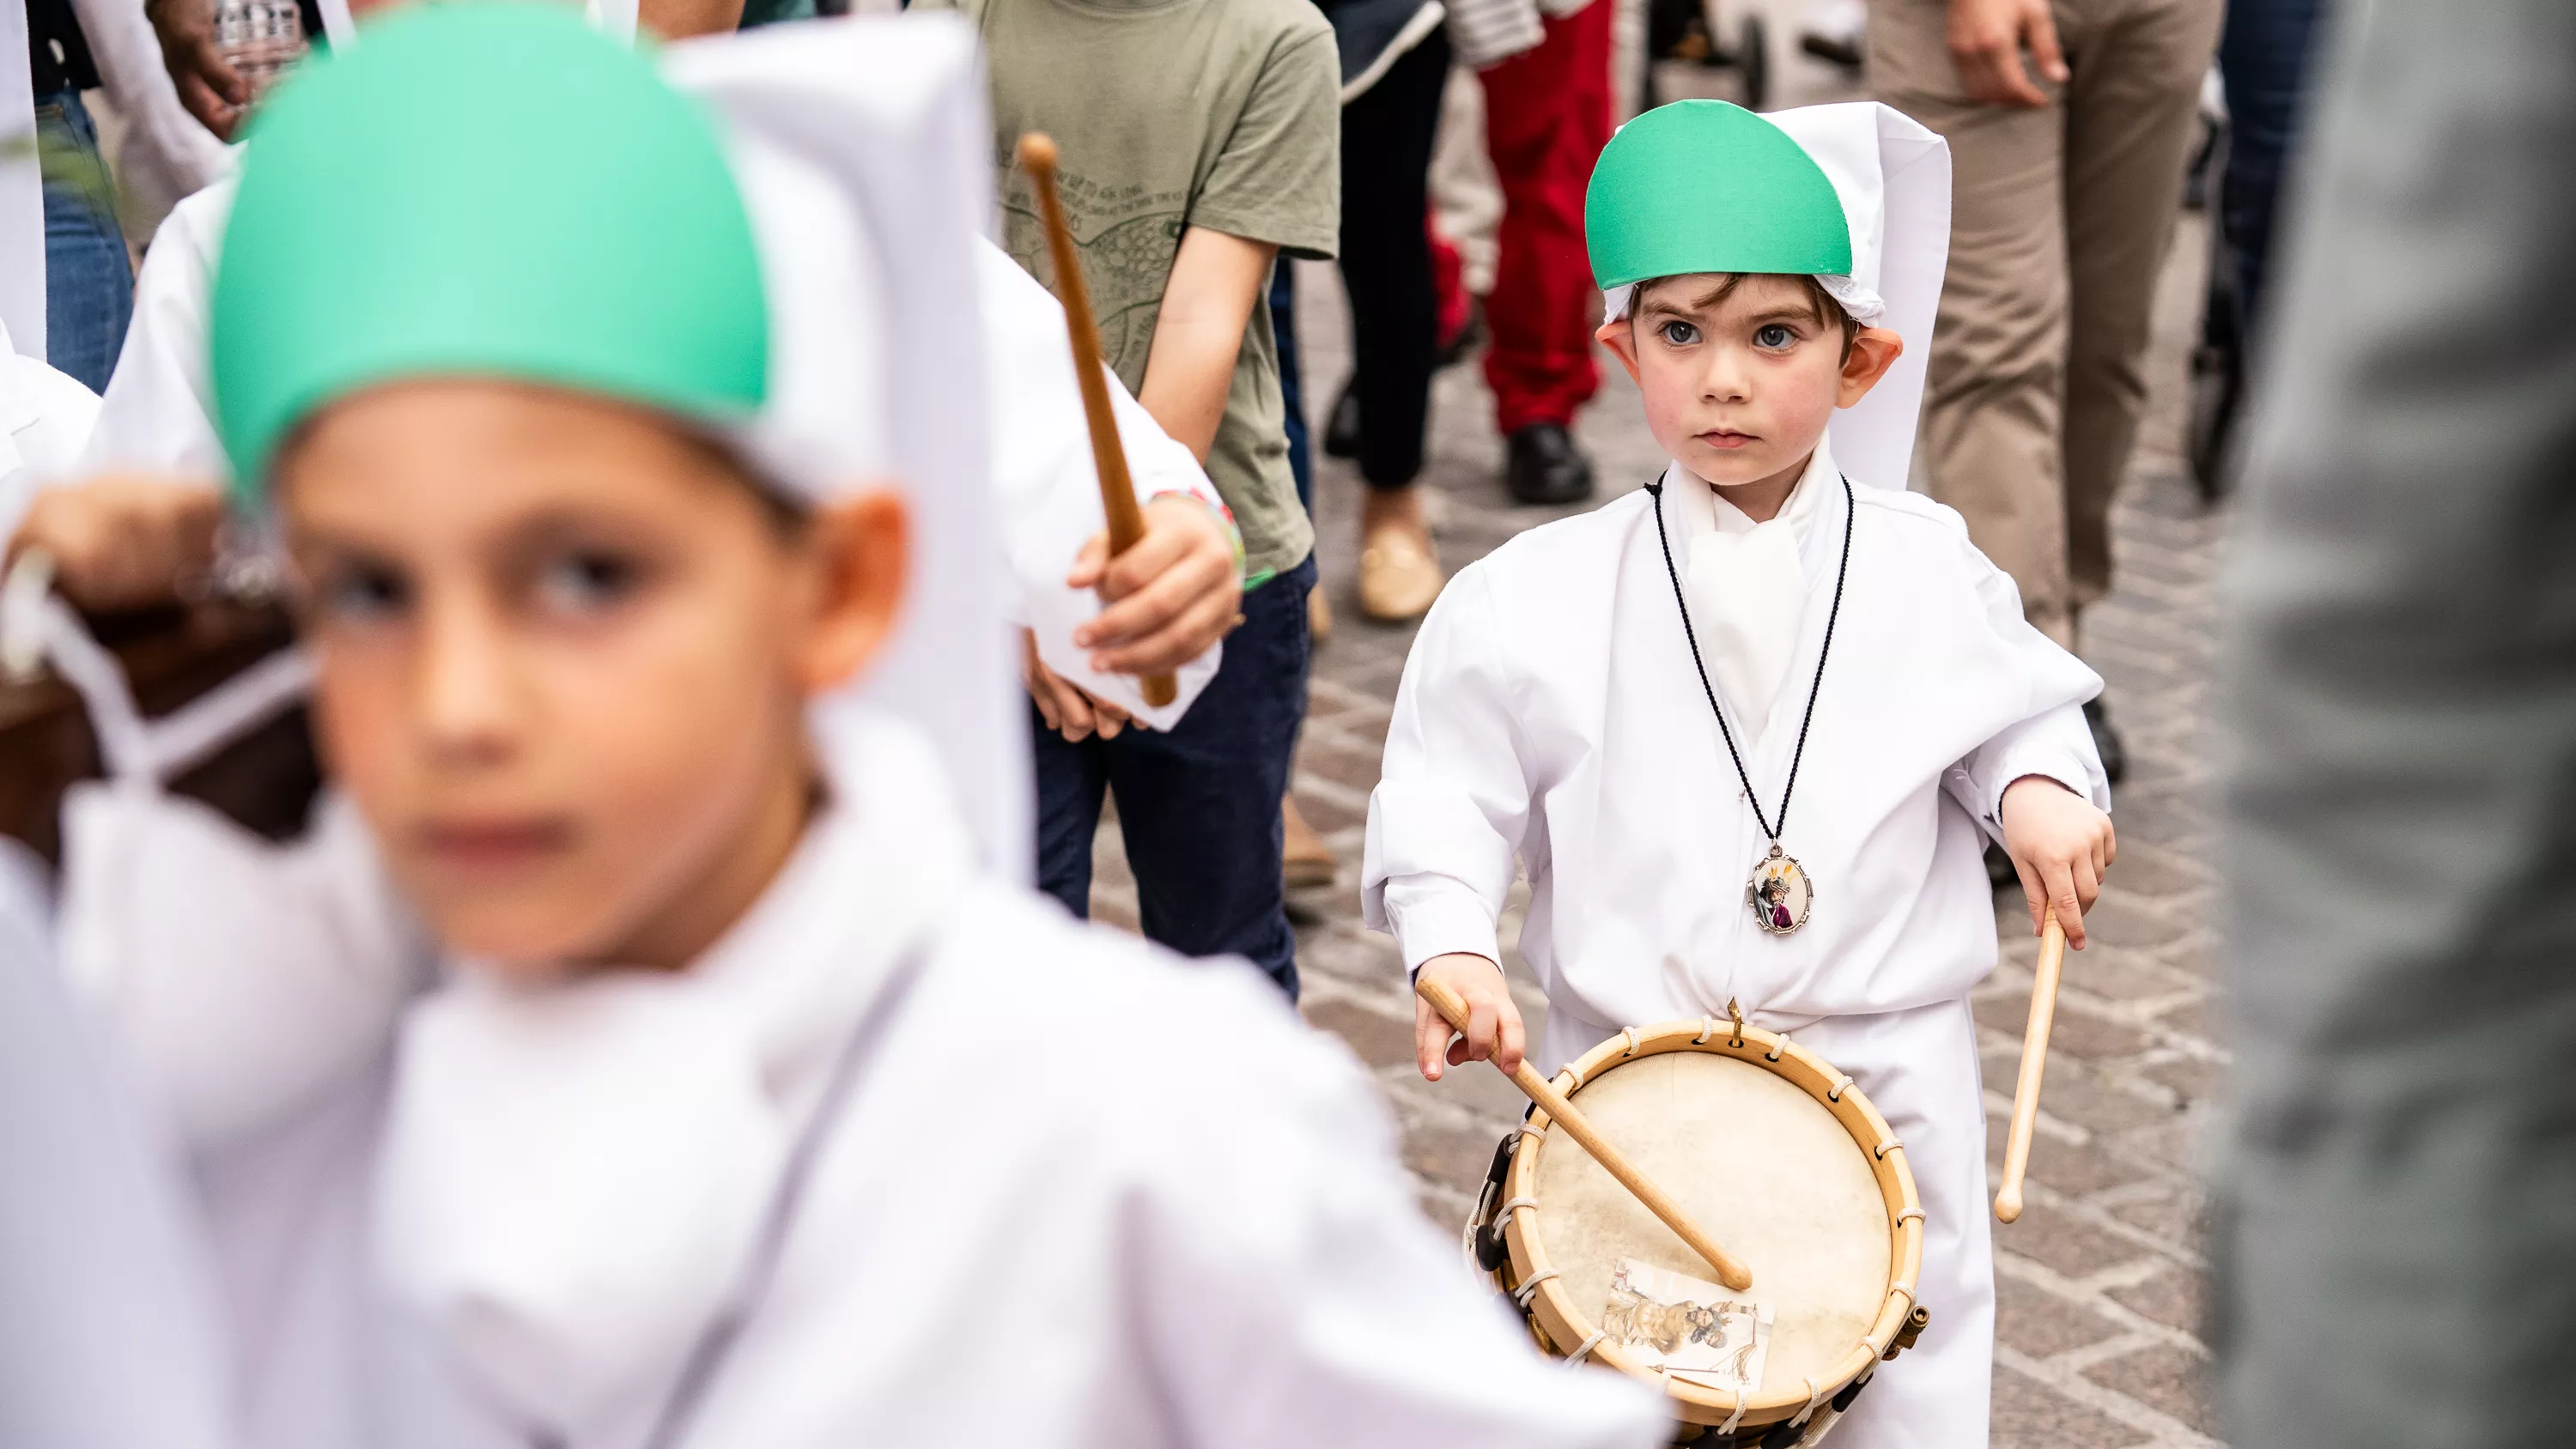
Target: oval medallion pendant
[[1779, 893]]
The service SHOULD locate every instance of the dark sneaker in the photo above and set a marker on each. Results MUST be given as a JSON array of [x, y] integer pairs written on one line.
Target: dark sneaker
[[1546, 467], [2106, 740]]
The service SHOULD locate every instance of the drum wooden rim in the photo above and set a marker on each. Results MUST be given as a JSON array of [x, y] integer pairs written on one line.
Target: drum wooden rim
[[1561, 1327]]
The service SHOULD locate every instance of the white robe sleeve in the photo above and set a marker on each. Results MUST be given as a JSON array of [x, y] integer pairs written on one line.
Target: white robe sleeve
[[157, 413], [1047, 486], [48, 416], [1453, 795], [1293, 1295], [2052, 740]]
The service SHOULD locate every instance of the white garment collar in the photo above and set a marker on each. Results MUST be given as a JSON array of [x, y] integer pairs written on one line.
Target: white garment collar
[[571, 1177], [1703, 507]]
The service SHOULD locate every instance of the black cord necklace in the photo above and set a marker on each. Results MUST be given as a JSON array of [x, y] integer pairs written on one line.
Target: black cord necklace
[[1779, 893]]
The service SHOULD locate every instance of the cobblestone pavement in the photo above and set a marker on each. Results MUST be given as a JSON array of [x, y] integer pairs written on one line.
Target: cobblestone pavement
[[2100, 1283]]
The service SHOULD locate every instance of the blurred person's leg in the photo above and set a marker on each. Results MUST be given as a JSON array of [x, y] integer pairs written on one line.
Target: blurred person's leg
[[1198, 805], [1395, 319], [1547, 116], [1072, 779], [1292, 379], [1993, 403], [2397, 1207], [2265, 55], [2131, 115], [89, 280]]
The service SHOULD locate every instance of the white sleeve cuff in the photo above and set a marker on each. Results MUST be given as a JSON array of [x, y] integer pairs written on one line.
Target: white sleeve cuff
[[1433, 915]]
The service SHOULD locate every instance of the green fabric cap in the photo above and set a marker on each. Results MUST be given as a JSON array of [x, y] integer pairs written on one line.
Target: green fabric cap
[[489, 190], [1708, 186]]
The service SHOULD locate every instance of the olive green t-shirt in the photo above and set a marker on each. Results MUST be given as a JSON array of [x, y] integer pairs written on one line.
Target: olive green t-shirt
[[1169, 114]]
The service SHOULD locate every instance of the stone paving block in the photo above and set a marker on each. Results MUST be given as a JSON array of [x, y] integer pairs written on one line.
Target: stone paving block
[[2071, 1167], [2042, 1324], [1451, 1156], [2075, 1031], [2180, 1216], [2169, 1379], [2030, 1415], [2069, 1248], [1381, 1038], [2075, 1095], [2192, 1079], [2174, 1297], [2149, 869]]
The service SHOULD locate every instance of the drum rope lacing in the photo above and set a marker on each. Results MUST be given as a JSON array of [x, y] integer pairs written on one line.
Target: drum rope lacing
[[1892, 1144], [1915, 1213], [1529, 1286], [1514, 1205], [1815, 1396], [1589, 1344], [1743, 1401], [1631, 1033], [1528, 1130]]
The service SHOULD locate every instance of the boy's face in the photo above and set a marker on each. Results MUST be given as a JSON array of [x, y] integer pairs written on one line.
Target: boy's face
[[563, 653], [1742, 372]]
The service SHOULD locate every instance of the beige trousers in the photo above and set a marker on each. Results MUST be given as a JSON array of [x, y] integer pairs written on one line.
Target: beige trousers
[[2060, 221]]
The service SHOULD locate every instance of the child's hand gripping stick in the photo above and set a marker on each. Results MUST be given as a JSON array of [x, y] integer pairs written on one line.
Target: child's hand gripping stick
[[2034, 1065], [1730, 1272], [1108, 456]]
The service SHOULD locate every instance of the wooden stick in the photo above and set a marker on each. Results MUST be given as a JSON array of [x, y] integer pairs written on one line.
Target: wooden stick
[[1108, 456], [1730, 1271], [2034, 1065]]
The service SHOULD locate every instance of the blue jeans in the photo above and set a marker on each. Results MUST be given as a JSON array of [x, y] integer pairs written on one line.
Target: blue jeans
[[89, 283], [2264, 59], [1198, 805]]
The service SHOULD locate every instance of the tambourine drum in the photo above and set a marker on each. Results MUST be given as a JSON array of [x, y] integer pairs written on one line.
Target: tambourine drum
[[1771, 1150], [266, 780]]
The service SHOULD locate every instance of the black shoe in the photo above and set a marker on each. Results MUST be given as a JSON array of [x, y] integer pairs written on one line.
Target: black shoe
[[1342, 425], [1546, 467], [2106, 742]]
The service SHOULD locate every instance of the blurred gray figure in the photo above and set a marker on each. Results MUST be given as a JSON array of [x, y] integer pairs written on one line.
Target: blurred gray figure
[[2396, 1234], [108, 1333]]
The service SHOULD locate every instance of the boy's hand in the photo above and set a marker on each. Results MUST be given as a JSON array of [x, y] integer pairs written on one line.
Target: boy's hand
[[123, 542], [1986, 40], [1170, 597], [1065, 707], [2061, 846], [1493, 1022]]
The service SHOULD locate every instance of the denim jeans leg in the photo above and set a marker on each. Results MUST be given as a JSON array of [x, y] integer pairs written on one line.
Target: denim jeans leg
[[1070, 780], [89, 282], [1199, 805]]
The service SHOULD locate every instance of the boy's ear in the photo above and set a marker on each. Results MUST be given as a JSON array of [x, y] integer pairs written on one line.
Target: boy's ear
[[861, 548], [1873, 351], [1620, 335]]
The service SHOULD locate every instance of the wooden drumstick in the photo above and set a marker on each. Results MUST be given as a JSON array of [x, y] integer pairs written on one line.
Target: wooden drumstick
[[2034, 1065], [1562, 1112], [1108, 455]]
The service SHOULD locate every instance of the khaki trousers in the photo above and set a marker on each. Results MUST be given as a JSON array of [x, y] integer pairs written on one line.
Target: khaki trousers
[[2060, 220]]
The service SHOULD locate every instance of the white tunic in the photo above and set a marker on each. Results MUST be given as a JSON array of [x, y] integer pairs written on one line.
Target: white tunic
[[1082, 1194], [1549, 718], [157, 417]]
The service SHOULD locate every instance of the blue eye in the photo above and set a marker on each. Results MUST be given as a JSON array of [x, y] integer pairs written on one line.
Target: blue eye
[[1678, 333], [1774, 336], [581, 581]]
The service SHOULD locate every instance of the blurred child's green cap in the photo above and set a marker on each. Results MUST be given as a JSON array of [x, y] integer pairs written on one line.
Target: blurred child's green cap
[[483, 190]]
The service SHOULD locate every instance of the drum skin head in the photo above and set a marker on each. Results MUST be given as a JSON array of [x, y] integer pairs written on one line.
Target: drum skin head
[[1763, 1166]]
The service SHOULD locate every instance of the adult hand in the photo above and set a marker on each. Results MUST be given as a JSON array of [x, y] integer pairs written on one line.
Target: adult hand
[[1171, 596], [123, 542], [208, 85], [1494, 1029], [1064, 706], [2061, 847], [1986, 41]]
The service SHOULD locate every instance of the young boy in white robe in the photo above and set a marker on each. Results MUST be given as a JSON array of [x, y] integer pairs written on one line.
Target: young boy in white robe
[[1748, 728], [742, 1106]]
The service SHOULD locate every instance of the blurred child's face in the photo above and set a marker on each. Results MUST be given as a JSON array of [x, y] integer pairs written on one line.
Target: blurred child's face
[[1741, 372], [563, 652]]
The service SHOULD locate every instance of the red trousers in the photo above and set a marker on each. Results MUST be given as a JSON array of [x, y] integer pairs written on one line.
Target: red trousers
[[1547, 116]]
